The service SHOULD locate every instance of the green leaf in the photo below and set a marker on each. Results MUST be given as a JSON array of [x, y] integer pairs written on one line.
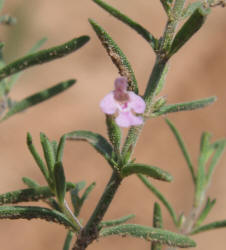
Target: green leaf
[[167, 5], [209, 205], [43, 56], [183, 148], [38, 98], [205, 145], [162, 80], [37, 46], [95, 140], [191, 26], [157, 223], [184, 106], [114, 133], [192, 7], [160, 196], [134, 25], [117, 56], [149, 234], [15, 77], [30, 183], [68, 240], [37, 157], [116, 222], [210, 226], [205, 153], [219, 149], [32, 212], [29, 194], [157, 216], [60, 149], [48, 153], [60, 181], [75, 198], [87, 192], [54, 146], [34, 193], [151, 171]]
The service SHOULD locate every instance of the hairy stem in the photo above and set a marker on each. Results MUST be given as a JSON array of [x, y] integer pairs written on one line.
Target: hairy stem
[[90, 232]]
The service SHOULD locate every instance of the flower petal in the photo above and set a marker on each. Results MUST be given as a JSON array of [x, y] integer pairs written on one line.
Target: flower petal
[[127, 119], [108, 104], [136, 103]]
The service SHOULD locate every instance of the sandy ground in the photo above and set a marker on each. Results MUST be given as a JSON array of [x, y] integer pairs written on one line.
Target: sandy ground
[[197, 71]]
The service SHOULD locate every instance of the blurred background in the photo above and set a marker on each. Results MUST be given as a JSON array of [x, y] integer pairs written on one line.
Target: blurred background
[[196, 71]]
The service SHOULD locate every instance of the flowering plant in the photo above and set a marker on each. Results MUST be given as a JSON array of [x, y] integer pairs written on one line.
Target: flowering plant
[[124, 107]]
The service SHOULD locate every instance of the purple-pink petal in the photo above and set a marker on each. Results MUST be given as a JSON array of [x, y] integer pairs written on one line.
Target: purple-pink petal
[[136, 103], [127, 119], [108, 104]]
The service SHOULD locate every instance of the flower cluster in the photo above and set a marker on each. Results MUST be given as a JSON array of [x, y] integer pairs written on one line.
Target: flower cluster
[[125, 103]]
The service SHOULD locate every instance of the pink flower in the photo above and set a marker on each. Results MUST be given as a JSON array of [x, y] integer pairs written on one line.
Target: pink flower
[[126, 103]]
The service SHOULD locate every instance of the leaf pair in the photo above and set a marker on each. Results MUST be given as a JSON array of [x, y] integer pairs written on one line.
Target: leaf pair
[[52, 169], [106, 150], [35, 58]]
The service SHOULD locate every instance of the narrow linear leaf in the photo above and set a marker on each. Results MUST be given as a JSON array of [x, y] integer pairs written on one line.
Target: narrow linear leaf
[[160, 196], [208, 207], [157, 223], [116, 222], [37, 45], [132, 24], [54, 146], [219, 149], [167, 5], [114, 133], [29, 194], [117, 56], [162, 80], [157, 216], [37, 157], [184, 106], [75, 198], [210, 226], [38, 98], [183, 148], [95, 140], [68, 240], [149, 234], [60, 181], [48, 153], [205, 143], [32, 212], [86, 193], [191, 8], [150, 171], [43, 56], [30, 183], [191, 26], [60, 149], [201, 172], [15, 77]]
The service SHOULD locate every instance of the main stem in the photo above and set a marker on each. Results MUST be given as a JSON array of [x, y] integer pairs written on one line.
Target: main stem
[[91, 230]]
